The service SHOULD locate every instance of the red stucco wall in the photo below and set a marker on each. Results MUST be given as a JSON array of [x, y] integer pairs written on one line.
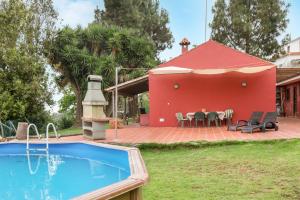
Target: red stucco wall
[[212, 92]]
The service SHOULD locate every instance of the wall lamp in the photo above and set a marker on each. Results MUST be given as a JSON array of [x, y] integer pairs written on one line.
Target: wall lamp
[[176, 86], [244, 83]]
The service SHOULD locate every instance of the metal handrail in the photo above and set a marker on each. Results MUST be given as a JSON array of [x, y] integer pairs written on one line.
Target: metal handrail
[[47, 133], [36, 131], [47, 147], [54, 129]]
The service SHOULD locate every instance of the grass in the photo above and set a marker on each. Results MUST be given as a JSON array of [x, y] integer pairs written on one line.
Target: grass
[[241, 170], [68, 131], [72, 131]]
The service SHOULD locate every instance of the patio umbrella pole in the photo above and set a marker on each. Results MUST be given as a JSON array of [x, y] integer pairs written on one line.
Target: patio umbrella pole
[[116, 103], [113, 104], [116, 96]]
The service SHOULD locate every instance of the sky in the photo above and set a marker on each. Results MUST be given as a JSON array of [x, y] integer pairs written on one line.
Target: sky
[[187, 19]]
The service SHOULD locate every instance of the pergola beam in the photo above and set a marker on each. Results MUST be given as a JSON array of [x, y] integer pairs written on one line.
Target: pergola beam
[[283, 74], [132, 87]]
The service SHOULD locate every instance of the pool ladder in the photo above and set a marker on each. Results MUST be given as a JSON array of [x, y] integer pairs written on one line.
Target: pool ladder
[[39, 137]]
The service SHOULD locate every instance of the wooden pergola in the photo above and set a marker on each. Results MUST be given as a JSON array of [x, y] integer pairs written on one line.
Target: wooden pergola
[[132, 87], [129, 89], [283, 74]]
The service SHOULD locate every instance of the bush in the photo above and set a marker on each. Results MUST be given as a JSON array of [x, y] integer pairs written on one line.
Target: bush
[[65, 121]]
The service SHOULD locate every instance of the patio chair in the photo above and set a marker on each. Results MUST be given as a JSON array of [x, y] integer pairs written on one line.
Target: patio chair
[[269, 122], [228, 116], [212, 117], [181, 119], [253, 120], [199, 116], [190, 119]]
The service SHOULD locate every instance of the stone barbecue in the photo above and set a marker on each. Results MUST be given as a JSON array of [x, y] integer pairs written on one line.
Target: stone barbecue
[[94, 118]]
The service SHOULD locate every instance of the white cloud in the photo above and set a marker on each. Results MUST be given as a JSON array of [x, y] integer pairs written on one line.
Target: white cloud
[[75, 12]]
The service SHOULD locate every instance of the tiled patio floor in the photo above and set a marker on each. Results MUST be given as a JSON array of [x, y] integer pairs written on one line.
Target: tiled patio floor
[[288, 128]]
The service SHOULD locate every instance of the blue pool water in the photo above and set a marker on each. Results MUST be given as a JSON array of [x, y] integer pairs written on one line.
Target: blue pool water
[[67, 171]]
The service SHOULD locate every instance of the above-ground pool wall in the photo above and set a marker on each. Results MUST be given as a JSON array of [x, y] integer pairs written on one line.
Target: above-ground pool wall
[[212, 92]]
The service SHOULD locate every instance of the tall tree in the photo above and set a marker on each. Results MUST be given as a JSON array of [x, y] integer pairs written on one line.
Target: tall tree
[[143, 15], [250, 25], [97, 49], [26, 26]]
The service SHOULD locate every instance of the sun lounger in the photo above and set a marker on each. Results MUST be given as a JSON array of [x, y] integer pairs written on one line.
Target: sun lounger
[[269, 122], [253, 120]]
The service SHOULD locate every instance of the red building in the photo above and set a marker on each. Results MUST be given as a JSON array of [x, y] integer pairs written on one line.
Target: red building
[[221, 78], [211, 76], [288, 92]]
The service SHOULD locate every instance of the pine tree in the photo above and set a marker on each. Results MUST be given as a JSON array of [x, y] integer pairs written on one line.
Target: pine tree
[[220, 18], [144, 15], [250, 25], [97, 15]]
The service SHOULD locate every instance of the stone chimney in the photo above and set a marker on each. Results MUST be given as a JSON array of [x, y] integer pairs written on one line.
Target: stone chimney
[[94, 117], [94, 100], [184, 45]]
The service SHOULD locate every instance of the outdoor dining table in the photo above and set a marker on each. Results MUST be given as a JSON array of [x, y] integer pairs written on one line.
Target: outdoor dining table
[[221, 115]]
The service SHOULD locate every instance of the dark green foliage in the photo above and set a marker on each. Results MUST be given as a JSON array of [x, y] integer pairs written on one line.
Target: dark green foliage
[[67, 108], [25, 29], [251, 25], [143, 15], [65, 121], [67, 104], [97, 49]]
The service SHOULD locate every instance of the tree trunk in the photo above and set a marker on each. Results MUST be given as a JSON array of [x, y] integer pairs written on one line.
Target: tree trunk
[[247, 46], [79, 109], [108, 109], [135, 105]]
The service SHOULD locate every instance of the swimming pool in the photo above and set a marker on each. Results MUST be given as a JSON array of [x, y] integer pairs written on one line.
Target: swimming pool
[[67, 170]]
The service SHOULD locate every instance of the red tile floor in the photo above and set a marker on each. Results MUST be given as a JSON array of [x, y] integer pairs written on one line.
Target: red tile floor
[[288, 128]]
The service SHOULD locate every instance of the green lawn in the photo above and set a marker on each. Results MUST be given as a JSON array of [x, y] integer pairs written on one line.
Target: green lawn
[[72, 131], [254, 170], [68, 131]]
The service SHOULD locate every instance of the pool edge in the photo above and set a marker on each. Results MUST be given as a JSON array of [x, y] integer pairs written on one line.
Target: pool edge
[[128, 189], [132, 185]]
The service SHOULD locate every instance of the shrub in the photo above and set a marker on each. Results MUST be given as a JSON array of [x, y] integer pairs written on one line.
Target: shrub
[[65, 121]]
